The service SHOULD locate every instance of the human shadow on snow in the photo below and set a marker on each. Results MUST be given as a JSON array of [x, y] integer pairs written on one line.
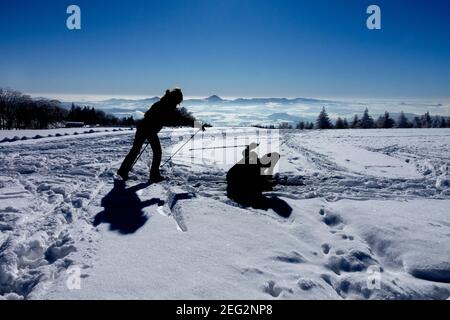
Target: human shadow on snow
[[123, 209], [281, 207]]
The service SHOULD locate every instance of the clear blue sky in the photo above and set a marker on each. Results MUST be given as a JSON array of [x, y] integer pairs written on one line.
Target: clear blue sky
[[312, 48]]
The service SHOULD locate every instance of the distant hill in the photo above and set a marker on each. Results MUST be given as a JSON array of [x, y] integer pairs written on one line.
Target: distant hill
[[282, 116], [214, 99]]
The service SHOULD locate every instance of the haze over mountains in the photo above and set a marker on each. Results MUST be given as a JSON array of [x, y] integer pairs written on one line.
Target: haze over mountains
[[251, 111]]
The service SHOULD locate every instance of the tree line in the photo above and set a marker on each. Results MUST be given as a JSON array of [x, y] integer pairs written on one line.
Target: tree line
[[366, 121], [384, 121], [20, 111], [91, 116]]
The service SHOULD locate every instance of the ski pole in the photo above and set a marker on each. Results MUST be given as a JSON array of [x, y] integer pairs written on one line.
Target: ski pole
[[181, 147], [145, 147], [140, 154]]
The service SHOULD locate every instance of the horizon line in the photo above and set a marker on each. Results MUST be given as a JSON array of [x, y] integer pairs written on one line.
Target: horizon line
[[80, 97]]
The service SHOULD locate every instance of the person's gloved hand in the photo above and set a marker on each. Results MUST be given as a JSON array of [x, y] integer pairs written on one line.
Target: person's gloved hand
[[199, 125]]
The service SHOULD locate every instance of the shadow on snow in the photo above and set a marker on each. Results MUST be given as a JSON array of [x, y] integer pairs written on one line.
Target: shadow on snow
[[123, 209]]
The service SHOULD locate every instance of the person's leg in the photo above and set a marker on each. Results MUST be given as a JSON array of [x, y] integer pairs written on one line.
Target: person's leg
[[156, 161], [127, 163]]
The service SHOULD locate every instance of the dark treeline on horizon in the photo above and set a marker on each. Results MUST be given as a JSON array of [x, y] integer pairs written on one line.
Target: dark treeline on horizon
[[366, 121], [90, 116], [19, 111]]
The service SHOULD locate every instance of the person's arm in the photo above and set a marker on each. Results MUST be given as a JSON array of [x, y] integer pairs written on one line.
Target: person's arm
[[182, 118], [176, 118]]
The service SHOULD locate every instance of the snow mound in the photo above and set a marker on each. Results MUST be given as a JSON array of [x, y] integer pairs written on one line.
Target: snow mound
[[421, 266], [175, 195]]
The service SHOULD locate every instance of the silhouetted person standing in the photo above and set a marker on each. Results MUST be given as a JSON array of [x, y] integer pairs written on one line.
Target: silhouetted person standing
[[163, 113]]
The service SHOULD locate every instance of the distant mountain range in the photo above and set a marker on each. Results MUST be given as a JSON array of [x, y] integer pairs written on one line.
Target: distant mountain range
[[251, 111], [214, 99]]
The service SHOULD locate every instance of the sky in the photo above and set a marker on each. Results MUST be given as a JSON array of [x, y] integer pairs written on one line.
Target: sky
[[233, 48]]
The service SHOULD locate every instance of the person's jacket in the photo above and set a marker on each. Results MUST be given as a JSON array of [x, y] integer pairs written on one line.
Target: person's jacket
[[161, 115]]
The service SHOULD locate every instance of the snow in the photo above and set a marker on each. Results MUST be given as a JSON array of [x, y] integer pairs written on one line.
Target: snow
[[367, 218], [7, 136]]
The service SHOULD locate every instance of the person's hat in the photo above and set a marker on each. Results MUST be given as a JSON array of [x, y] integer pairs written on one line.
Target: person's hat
[[175, 95]]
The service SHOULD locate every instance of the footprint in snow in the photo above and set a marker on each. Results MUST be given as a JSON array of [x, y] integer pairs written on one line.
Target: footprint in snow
[[326, 248]]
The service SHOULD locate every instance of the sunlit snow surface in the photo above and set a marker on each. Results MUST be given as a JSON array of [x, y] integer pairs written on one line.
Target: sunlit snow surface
[[370, 218]]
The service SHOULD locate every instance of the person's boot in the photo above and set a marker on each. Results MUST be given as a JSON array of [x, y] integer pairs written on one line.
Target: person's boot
[[123, 175], [156, 177]]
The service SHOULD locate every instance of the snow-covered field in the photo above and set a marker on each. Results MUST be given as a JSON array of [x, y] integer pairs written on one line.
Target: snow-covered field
[[357, 214]]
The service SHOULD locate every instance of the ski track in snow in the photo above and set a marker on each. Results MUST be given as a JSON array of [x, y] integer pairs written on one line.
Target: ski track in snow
[[51, 190]]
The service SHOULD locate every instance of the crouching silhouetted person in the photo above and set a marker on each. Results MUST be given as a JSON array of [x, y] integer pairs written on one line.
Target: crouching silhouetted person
[[247, 179], [163, 113]]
